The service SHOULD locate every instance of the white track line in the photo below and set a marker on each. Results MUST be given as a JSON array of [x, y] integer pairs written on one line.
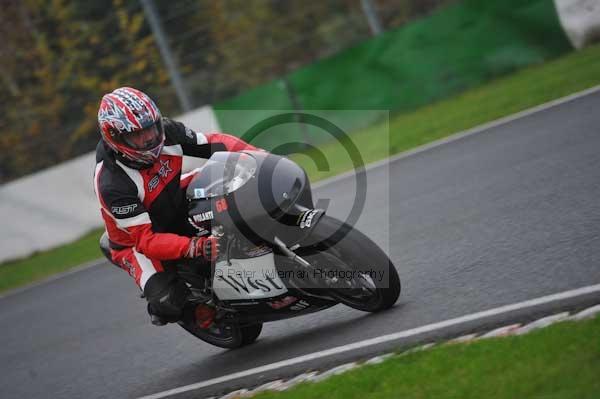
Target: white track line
[[382, 339]]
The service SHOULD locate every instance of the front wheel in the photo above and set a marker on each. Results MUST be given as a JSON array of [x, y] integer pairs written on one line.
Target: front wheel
[[355, 270]]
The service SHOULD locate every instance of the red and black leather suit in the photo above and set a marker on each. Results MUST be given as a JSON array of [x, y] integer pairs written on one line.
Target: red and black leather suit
[[145, 210]]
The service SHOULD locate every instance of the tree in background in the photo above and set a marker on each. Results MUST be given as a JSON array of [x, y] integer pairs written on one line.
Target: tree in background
[[60, 56], [396, 13], [63, 56], [271, 31]]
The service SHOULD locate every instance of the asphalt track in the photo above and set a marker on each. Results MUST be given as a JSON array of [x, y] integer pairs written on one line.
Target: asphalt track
[[503, 216]]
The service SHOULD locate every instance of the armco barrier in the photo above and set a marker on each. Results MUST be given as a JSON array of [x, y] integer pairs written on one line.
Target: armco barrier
[[580, 20], [58, 205]]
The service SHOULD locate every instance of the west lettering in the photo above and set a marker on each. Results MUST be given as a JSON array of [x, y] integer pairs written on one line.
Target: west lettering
[[234, 283], [263, 286], [270, 280]]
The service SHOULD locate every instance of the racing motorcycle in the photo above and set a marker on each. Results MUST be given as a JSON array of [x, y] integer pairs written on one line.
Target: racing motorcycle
[[280, 257]]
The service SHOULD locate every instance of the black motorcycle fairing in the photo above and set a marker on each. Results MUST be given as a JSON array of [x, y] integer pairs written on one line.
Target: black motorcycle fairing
[[276, 201]]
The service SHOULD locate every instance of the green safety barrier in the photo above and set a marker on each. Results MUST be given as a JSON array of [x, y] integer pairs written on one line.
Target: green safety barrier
[[456, 48]]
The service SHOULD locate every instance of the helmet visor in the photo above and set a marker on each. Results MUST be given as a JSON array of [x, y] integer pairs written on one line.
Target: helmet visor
[[145, 139]]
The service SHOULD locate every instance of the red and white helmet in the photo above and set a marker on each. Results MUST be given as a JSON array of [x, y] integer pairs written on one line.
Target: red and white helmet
[[131, 125]]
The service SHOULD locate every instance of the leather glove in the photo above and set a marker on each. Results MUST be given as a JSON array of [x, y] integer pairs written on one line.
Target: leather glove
[[205, 247]]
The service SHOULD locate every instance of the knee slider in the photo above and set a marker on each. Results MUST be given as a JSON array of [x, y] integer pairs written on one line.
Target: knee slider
[[105, 248]]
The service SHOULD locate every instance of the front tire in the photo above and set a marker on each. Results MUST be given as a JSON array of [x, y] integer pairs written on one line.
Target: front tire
[[338, 246]]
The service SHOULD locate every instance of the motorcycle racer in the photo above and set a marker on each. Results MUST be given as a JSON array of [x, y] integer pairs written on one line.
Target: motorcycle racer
[[141, 191]]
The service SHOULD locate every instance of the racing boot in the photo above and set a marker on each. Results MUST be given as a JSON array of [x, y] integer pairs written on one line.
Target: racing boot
[[166, 295]]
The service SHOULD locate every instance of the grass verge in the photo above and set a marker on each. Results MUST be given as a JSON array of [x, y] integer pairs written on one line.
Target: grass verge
[[39, 266], [527, 88], [560, 361]]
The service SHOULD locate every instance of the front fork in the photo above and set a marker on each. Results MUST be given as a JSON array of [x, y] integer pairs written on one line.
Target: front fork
[[291, 254], [325, 283]]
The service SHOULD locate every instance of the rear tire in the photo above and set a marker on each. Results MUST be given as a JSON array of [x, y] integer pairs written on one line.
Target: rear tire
[[250, 333], [226, 335], [333, 242]]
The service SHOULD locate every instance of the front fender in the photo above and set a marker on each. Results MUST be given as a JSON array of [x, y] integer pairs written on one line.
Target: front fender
[[303, 221]]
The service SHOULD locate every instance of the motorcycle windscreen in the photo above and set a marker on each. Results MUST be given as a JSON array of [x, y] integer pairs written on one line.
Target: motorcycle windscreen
[[222, 174]]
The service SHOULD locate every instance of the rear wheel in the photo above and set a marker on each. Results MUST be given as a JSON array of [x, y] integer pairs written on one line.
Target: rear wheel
[[223, 334], [355, 270]]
